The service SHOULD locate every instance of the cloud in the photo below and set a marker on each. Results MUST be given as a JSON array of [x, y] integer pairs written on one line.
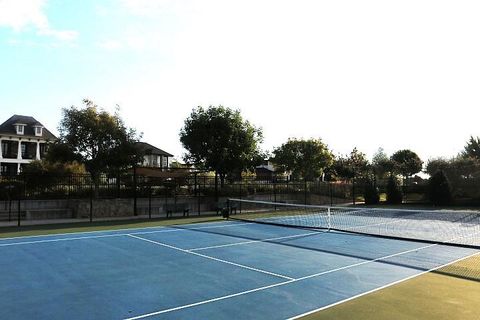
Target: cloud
[[19, 15]]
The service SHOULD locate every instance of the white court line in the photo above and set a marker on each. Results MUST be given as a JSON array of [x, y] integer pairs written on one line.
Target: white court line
[[254, 241], [211, 258], [380, 288], [58, 240], [115, 230], [163, 230], [282, 283]]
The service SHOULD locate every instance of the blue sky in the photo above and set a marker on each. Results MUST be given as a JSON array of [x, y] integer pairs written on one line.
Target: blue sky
[[363, 74]]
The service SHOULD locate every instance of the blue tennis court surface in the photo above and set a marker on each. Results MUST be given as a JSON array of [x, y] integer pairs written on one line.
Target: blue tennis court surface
[[218, 270]]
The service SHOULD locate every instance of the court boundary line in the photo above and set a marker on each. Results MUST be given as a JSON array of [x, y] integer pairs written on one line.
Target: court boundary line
[[113, 230], [212, 258], [162, 230], [380, 288], [254, 241], [295, 280]]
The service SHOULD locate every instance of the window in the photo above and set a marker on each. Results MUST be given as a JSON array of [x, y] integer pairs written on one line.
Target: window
[[5, 149], [19, 128], [24, 149], [38, 131]]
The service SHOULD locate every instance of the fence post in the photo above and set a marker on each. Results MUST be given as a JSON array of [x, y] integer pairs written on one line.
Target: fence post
[[18, 211], [353, 190], [275, 190], [134, 190], [19, 201], [10, 203], [305, 190], [91, 201], [150, 201], [331, 193], [216, 187]]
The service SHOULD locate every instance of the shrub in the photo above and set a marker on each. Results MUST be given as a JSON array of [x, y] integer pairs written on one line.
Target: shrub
[[394, 193], [371, 193], [439, 190]]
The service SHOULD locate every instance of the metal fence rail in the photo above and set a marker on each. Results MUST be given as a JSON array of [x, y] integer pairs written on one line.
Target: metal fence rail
[[28, 196]]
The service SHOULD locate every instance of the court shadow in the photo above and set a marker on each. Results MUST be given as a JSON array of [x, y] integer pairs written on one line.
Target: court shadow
[[416, 262]]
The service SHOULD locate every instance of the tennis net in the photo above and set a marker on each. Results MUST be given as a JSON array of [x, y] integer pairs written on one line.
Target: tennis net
[[458, 228]]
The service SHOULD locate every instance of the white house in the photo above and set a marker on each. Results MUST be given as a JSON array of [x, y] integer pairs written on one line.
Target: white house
[[22, 140], [154, 157]]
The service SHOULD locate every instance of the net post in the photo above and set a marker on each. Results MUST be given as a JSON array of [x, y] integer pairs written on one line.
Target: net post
[[226, 211]]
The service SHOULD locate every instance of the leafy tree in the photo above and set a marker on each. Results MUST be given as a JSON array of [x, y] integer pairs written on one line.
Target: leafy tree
[[371, 193], [406, 162], [436, 164], [100, 140], [472, 149], [59, 152], [304, 158], [394, 193], [44, 167], [218, 139], [381, 164], [353, 166], [439, 190], [40, 175]]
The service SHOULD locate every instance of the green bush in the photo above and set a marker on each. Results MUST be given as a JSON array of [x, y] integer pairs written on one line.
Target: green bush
[[371, 193], [439, 190], [394, 192]]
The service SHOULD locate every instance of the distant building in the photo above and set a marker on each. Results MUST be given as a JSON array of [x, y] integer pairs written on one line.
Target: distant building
[[22, 140], [265, 171], [153, 156]]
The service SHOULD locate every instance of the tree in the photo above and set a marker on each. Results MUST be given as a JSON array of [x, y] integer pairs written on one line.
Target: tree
[[371, 193], [394, 193], [406, 162], [439, 190], [472, 148], [98, 139], [40, 175], [218, 139], [304, 158], [381, 164], [353, 166], [59, 152], [436, 164]]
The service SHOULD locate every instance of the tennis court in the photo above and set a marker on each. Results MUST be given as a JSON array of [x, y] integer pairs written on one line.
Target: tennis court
[[221, 270]]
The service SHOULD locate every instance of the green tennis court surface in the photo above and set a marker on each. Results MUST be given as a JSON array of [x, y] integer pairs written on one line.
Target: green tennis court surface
[[215, 270]]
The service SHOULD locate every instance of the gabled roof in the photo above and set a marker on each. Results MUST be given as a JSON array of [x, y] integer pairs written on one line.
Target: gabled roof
[[267, 167], [30, 122], [149, 149]]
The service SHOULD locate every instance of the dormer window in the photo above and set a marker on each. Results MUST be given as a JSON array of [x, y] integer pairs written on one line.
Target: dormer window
[[38, 131], [19, 128]]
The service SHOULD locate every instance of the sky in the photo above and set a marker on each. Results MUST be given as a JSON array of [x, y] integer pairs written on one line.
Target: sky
[[364, 74]]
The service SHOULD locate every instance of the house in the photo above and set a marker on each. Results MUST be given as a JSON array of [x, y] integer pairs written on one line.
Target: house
[[265, 171], [22, 140], [153, 156]]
